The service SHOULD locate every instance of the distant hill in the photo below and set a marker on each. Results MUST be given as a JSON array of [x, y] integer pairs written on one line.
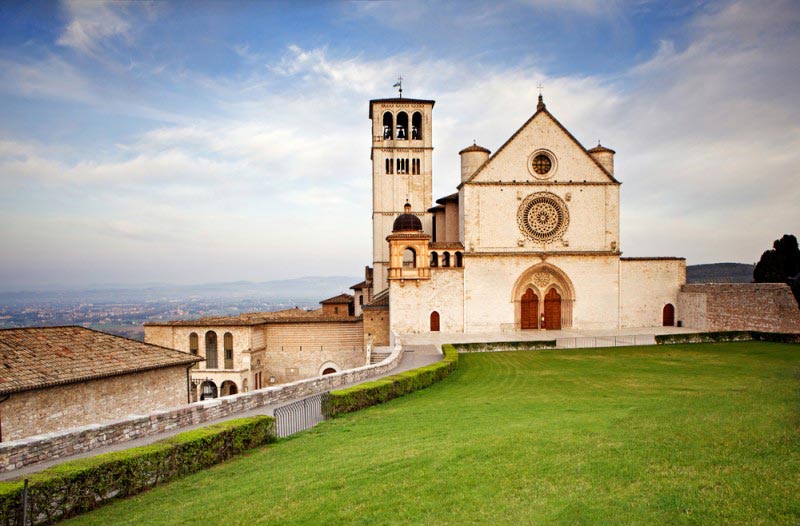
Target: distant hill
[[307, 289], [720, 273]]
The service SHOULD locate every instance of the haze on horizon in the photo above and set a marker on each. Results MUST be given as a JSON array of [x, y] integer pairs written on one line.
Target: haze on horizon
[[216, 142]]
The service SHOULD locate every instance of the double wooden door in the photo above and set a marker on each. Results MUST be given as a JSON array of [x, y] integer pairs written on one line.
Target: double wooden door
[[530, 310], [552, 310]]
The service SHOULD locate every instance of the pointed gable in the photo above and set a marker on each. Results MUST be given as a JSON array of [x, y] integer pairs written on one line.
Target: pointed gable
[[542, 132]]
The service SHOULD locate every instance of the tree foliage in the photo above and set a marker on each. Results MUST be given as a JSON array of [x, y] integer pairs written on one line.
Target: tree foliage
[[781, 264]]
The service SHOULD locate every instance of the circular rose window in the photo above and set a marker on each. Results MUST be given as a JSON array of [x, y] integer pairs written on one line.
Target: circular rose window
[[541, 164], [543, 217]]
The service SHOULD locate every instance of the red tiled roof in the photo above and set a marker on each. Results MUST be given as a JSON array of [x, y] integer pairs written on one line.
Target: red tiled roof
[[37, 357], [341, 298], [294, 315]]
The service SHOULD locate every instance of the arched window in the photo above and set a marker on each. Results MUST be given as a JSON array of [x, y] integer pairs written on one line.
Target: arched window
[[208, 389], [434, 259], [445, 259], [389, 166], [211, 351], [409, 258], [388, 125], [416, 126], [361, 300], [194, 343], [459, 259], [669, 315], [402, 125], [329, 370], [228, 342], [228, 388], [434, 321]]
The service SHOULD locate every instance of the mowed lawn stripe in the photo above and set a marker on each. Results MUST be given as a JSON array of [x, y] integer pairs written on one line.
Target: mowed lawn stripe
[[689, 434]]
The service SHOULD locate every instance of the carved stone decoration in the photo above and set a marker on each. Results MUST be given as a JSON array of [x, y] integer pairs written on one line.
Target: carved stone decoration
[[543, 217], [541, 279]]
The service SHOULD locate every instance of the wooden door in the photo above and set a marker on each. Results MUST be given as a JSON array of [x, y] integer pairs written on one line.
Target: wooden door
[[552, 310], [434, 321], [530, 310], [669, 315]]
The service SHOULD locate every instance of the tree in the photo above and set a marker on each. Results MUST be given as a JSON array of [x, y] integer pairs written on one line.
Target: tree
[[781, 265]]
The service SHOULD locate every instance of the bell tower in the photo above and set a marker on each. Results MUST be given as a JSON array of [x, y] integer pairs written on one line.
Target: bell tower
[[402, 147]]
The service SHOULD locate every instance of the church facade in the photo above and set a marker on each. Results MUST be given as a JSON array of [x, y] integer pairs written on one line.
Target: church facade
[[530, 240]]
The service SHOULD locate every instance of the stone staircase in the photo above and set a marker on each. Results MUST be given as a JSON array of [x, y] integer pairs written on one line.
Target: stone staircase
[[378, 357]]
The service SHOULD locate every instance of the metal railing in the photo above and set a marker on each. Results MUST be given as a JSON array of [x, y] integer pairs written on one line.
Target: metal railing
[[605, 341], [302, 414]]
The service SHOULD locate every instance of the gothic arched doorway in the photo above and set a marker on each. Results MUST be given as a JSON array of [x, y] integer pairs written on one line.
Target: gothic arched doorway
[[669, 315], [529, 312], [434, 321], [552, 310]]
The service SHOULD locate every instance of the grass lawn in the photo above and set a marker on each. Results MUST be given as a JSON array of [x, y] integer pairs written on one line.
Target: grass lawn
[[683, 434]]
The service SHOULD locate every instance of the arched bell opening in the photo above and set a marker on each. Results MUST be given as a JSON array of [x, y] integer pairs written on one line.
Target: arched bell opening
[[388, 125], [402, 126], [409, 258], [416, 126]]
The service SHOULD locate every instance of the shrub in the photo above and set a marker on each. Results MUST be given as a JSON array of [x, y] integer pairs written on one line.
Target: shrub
[[505, 346], [385, 389], [704, 337], [78, 486]]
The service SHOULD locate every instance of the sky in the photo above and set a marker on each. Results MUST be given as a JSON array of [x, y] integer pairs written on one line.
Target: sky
[[195, 142]]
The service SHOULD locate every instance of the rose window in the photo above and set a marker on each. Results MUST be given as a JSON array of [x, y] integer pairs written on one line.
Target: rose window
[[543, 217]]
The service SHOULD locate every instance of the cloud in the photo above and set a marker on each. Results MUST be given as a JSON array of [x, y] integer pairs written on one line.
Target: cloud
[[93, 25], [274, 158]]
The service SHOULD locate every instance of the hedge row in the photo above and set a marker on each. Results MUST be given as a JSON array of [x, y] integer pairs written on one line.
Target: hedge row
[[385, 389], [505, 346], [78, 486], [726, 336]]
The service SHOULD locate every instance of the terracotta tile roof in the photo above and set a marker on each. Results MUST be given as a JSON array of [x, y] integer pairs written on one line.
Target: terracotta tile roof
[[380, 301], [437, 208], [341, 298], [360, 286], [452, 198], [37, 357], [399, 100], [600, 148], [474, 148], [294, 315]]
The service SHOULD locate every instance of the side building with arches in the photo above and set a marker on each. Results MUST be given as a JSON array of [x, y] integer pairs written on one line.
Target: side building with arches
[[529, 241], [261, 349]]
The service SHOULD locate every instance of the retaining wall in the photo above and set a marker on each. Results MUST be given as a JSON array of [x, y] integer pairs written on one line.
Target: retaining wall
[[30, 450]]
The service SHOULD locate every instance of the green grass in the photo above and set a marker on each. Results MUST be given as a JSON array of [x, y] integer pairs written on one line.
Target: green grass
[[684, 434]]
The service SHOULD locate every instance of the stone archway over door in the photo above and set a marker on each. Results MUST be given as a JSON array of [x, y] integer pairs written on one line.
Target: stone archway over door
[[529, 311], [552, 310]]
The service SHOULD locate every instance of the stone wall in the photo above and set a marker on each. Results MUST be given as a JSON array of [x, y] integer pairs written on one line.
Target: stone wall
[[376, 324], [19, 453], [768, 307], [66, 406], [412, 302], [648, 285]]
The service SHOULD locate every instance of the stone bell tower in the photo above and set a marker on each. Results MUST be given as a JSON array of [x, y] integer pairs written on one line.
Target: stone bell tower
[[402, 147]]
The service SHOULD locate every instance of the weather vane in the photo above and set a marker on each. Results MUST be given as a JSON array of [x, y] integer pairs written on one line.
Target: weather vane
[[399, 84]]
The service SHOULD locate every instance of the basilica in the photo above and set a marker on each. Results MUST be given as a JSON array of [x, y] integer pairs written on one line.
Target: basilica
[[529, 240]]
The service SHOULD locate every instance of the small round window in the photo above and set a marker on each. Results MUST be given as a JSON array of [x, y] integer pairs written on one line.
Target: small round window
[[542, 164]]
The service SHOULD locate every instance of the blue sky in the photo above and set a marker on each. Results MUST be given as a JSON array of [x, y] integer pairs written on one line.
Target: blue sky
[[192, 142]]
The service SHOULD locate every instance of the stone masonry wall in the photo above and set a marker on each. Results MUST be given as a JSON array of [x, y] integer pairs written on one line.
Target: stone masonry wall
[[61, 407], [768, 307], [376, 323], [19, 453]]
